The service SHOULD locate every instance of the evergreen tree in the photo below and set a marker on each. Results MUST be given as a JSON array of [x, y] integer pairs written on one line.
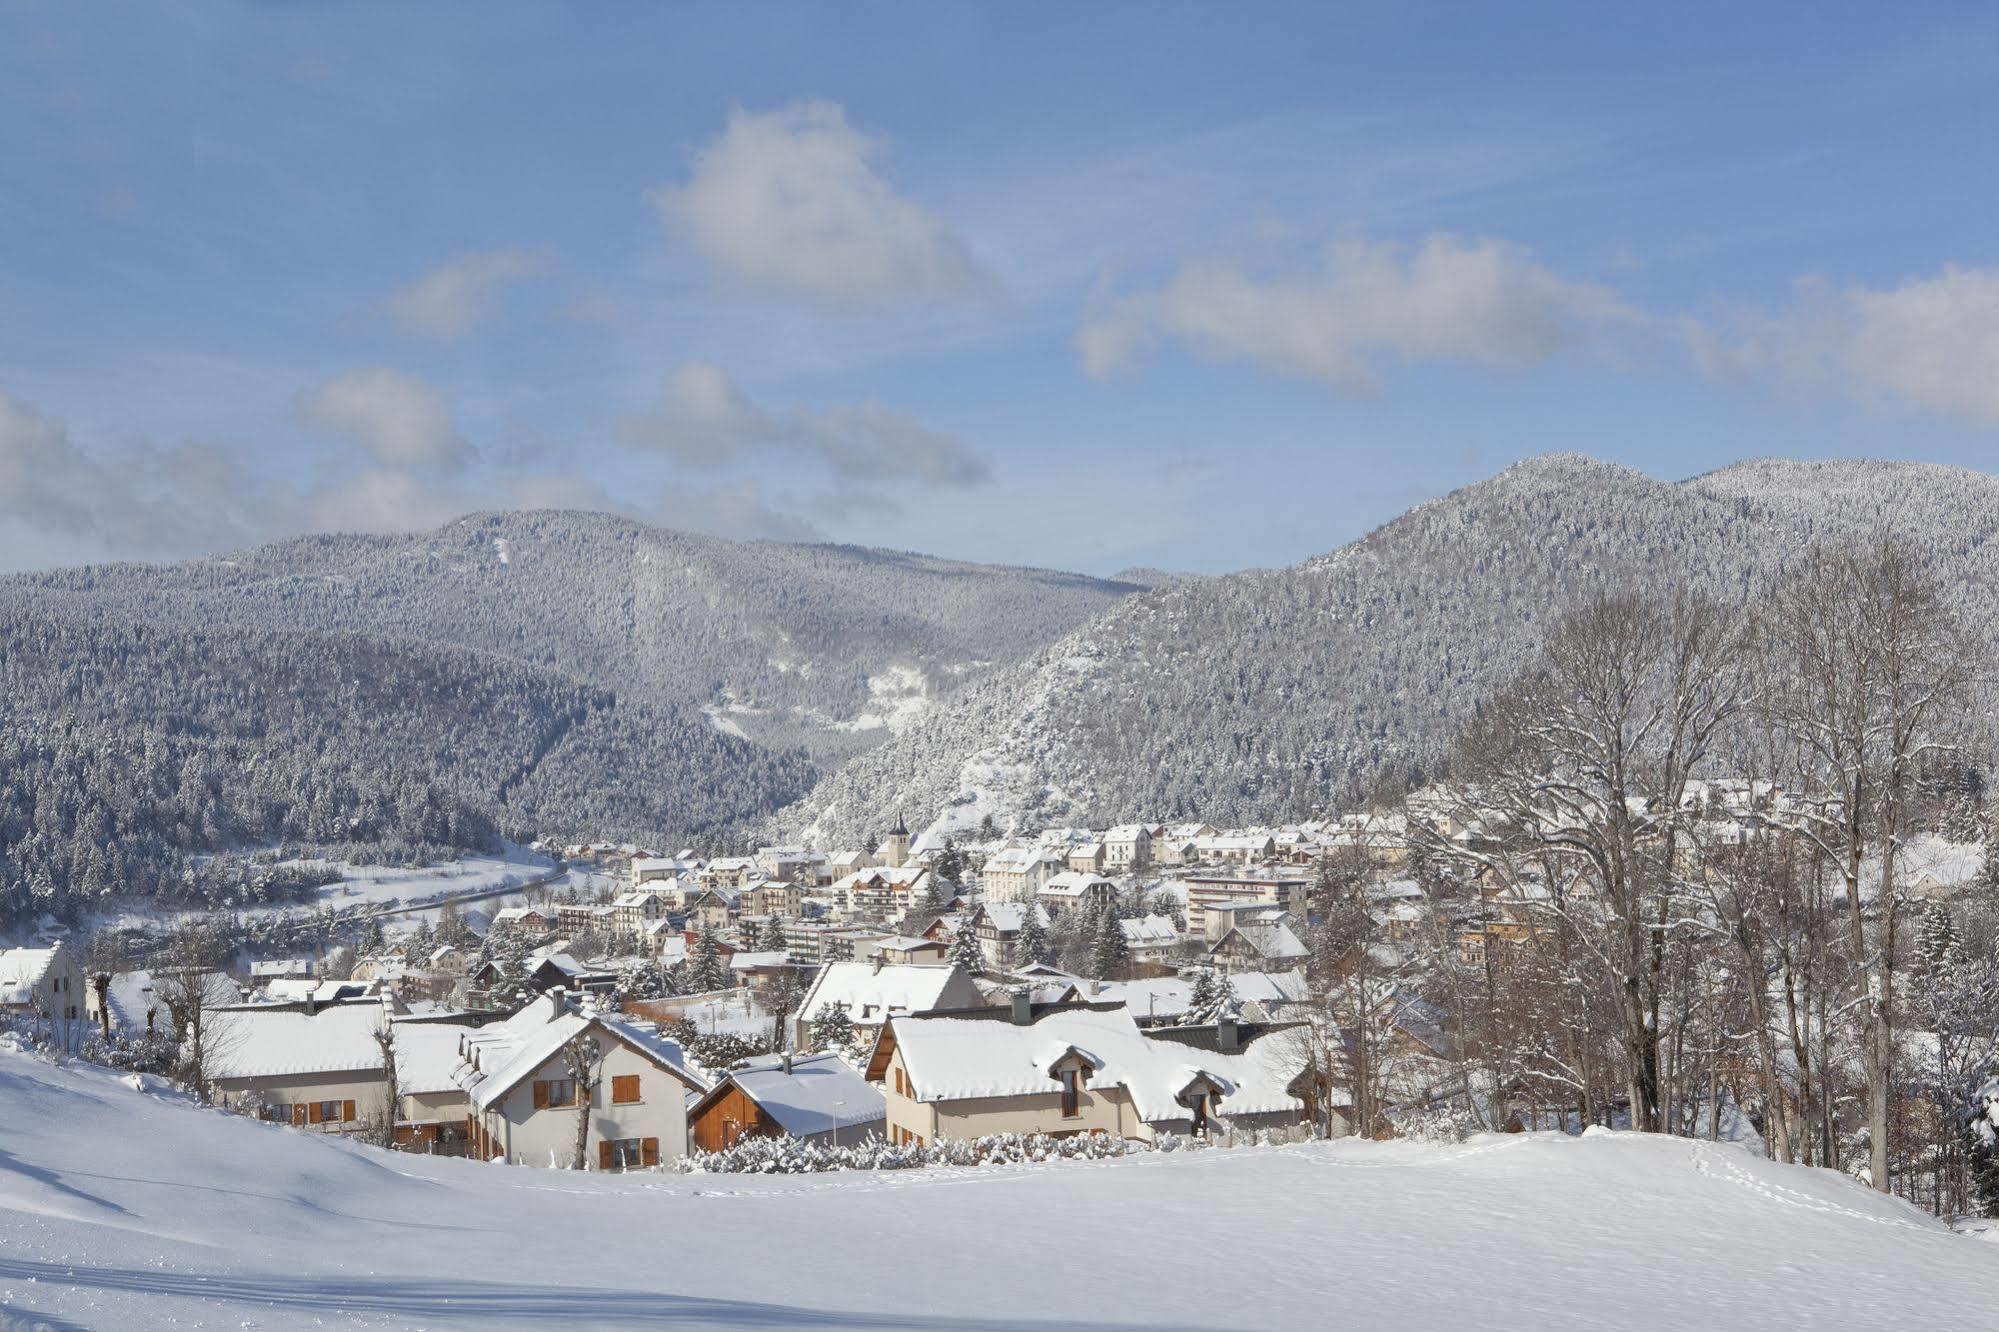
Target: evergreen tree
[[1205, 991], [965, 950], [1987, 881], [508, 989], [1112, 957], [1936, 939], [773, 937], [1220, 997], [833, 1027], [949, 865], [1031, 944], [706, 970]]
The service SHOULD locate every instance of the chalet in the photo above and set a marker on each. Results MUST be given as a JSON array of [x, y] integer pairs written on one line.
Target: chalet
[[1071, 890], [814, 1097], [526, 919], [1261, 996], [875, 991], [1264, 946], [1150, 938], [306, 1065], [432, 1111], [792, 865], [884, 893], [998, 926], [560, 971], [280, 968], [1127, 849], [1177, 844], [524, 1103], [43, 982], [1075, 1068], [712, 908]]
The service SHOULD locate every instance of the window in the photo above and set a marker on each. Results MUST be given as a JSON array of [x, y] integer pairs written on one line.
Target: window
[[1200, 1108], [627, 1153], [554, 1093], [625, 1089], [1072, 1093], [328, 1112]]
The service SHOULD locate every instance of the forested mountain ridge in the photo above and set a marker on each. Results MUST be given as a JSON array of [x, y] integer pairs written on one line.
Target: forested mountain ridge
[[1259, 695], [125, 748], [517, 674], [829, 647]]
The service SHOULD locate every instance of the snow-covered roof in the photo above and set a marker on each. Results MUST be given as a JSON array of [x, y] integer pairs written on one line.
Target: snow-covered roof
[[285, 1042], [1170, 996], [494, 1059], [1075, 883], [1149, 931], [1008, 917], [21, 970], [957, 1058], [426, 1055], [757, 961], [822, 1092], [1272, 940], [871, 992], [1127, 832]]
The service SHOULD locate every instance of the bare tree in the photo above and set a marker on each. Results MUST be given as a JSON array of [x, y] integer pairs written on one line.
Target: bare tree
[[583, 1061], [1581, 769], [392, 1083], [185, 984], [1871, 663]]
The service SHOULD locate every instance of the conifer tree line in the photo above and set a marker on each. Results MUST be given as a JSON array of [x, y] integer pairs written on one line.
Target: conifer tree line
[[129, 751], [1686, 957]]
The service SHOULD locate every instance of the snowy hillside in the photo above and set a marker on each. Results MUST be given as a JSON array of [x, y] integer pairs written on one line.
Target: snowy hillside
[[1255, 696], [121, 1209]]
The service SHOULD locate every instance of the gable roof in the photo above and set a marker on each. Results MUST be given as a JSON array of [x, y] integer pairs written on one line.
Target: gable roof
[[285, 1041], [821, 1093], [21, 970], [950, 1058], [895, 987], [495, 1059]]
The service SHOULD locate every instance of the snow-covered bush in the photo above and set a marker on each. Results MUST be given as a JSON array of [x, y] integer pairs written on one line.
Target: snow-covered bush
[[1447, 1123], [793, 1156]]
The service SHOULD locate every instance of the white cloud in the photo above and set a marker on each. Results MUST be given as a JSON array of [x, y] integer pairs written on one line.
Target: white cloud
[[403, 421], [791, 200], [144, 500], [446, 302], [1930, 343], [1479, 301], [703, 420]]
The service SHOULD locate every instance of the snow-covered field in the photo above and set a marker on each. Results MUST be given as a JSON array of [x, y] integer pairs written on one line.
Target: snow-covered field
[[382, 887], [121, 1209]]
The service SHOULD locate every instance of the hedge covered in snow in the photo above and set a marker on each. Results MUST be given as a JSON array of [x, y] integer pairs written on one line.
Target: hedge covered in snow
[[793, 1156]]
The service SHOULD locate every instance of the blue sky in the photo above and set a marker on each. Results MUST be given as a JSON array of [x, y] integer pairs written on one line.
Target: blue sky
[[1200, 287]]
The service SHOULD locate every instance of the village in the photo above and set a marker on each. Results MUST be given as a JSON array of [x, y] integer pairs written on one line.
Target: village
[[1133, 985]]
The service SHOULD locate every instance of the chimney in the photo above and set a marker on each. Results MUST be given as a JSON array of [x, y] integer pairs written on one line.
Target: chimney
[[311, 1005], [878, 961], [785, 1064], [1228, 1035], [1022, 1004]]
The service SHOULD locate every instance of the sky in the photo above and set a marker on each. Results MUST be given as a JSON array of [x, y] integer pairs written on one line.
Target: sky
[[1193, 287]]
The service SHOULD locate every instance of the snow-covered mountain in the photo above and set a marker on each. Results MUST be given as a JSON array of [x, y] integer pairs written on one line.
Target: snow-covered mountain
[[828, 647], [123, 1209], [1260, 694]]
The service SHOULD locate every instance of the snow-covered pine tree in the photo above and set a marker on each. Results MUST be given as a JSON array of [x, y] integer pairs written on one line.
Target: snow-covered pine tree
[[1112, 957], [706, 970], [1031, 945], [832, 1027], [1221, 998], [773, 936], [965, 950]]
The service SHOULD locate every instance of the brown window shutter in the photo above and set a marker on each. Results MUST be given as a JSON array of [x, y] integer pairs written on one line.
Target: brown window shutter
[[347, 1112], [298, 1116], [541, 1096], [604, 1156], [625, 1089], [649, 1151], [312, 1112]]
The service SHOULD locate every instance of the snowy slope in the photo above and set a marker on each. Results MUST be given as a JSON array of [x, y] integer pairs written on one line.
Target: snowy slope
[[119, 1209]]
